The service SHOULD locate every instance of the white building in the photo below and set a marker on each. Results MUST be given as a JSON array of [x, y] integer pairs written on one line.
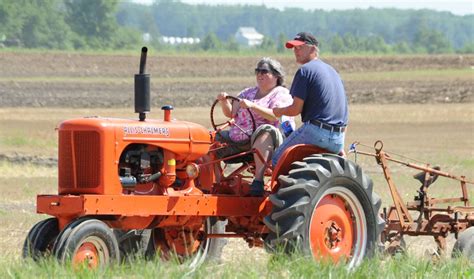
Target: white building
[[248, 36]]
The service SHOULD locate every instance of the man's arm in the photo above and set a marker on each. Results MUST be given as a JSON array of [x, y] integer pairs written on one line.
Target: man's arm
[[292, 110], [266, 113]]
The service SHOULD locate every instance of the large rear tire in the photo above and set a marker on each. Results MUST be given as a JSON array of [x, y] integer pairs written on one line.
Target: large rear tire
[[325, 208], [40, 239], [187, 245]]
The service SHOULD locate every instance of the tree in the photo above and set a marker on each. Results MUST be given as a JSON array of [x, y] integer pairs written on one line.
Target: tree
[[376, 44], [282, 39], [432, 41], [44, 26], [34, 24], [402, 47], [210, 42], [337, 44], [93, 20], [11, 18], [232, 44], [267, 44], [468, 48]]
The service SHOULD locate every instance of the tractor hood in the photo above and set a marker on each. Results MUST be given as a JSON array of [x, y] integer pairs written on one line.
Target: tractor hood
[[189, 141]]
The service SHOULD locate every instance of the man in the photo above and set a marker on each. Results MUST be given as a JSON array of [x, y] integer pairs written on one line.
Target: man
[[319, 96]]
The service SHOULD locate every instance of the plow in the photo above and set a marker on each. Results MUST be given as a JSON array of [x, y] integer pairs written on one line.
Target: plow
[[156, 187], [425, 215]]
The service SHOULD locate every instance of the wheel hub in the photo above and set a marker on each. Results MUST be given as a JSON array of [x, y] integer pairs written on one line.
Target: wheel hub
[[88, 255], [331, 229], [333, 235]]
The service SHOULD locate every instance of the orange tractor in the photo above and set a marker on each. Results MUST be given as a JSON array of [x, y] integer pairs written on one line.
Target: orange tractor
[[157, 187]]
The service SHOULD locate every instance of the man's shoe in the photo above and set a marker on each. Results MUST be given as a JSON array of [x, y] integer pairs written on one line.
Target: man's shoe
[[256, 188]]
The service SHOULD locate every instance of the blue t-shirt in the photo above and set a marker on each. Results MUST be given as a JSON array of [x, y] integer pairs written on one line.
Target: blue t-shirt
[[322, 90]]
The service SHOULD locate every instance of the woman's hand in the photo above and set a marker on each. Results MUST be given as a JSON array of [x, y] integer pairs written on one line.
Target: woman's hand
[[246, 104], [222, 96]]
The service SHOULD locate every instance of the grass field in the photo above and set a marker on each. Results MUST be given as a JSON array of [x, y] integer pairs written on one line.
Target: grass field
[[440, 134]]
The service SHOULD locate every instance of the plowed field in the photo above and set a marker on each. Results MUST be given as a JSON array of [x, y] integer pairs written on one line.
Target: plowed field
[[88, 81]]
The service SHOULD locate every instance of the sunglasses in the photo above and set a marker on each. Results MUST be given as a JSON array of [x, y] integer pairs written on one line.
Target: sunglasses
[[261, 71]]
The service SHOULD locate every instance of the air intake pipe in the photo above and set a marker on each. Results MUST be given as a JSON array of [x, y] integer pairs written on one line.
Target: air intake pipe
[[142, 88]]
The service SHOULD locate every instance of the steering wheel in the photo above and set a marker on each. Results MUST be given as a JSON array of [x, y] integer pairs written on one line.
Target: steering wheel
[[231, 121]]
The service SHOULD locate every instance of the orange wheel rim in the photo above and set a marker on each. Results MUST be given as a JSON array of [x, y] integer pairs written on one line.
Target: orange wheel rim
[[86, 255], [184, 242], [331, 231]]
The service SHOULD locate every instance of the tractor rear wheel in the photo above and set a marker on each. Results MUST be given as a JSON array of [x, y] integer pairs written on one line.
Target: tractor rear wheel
[[87, 242], [189, 245], [464, 245], [40, 239], [325, 208]]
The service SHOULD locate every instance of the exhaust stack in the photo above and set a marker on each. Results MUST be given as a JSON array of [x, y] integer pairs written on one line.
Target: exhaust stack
[[142, 88]]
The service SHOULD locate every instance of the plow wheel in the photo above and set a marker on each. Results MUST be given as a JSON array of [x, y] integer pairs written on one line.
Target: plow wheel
[[87, 242], [464, 245], [40, 239], [325, 208], [188, 244]]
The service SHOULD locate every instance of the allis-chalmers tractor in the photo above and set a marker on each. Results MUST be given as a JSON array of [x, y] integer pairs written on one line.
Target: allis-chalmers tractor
[[158, 187]]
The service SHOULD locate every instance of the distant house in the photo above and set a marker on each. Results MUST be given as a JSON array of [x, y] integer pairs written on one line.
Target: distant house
[[248, 36]]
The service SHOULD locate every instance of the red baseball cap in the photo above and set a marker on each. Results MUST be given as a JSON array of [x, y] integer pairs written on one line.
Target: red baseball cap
[[301, 39]]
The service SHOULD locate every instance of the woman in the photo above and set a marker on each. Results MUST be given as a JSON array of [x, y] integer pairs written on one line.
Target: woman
[[261, 99]]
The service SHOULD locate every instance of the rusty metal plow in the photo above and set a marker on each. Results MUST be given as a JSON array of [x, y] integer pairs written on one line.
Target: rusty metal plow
[[424, 215]]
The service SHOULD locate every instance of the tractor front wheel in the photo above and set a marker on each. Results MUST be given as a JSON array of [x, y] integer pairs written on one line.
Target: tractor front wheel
[[325, 208], [89, 243], [40, 239]]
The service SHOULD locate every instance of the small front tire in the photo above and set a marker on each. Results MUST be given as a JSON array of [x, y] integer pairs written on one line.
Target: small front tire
[[89, 243], [40, 239]]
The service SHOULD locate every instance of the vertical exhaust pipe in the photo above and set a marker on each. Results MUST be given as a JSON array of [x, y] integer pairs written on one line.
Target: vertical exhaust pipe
[[142, 88]]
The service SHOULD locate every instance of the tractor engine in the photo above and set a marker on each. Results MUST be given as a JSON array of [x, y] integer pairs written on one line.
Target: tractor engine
[[140, 164], [114, 156], [107, 156]]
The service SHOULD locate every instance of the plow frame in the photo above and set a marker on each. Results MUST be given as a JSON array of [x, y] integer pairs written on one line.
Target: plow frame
[[432, 219]]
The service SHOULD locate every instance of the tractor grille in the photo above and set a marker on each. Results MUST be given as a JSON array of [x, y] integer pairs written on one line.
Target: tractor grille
[[79, 159]]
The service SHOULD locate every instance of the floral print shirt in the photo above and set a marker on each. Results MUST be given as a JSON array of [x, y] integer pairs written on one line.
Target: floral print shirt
[[278, 97]]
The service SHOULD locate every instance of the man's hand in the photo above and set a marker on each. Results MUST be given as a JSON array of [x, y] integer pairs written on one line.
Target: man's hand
[[245, 104], [292, 110]]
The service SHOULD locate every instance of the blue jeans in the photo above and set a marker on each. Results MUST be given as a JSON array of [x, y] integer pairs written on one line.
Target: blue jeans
[[311, 134]]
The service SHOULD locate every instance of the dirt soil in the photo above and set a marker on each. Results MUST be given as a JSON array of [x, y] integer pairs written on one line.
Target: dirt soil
[[87, 81]]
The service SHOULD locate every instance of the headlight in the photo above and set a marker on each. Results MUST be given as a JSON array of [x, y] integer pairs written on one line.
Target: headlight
[[192, 170]]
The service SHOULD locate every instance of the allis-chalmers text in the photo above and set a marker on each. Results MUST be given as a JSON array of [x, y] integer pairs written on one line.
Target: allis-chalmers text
[[147, 130]]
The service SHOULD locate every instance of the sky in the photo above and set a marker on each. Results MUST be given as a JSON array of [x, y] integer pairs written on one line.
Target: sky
[[458, 7]]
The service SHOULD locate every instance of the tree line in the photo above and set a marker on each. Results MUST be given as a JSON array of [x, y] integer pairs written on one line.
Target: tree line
[[113, 24]]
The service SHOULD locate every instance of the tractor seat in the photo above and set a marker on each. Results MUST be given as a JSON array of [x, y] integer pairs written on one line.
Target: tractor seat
[[421, 177]]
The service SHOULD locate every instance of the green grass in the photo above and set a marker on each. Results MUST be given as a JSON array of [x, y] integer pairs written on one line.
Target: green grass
[[276, 267], [25, 141]]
